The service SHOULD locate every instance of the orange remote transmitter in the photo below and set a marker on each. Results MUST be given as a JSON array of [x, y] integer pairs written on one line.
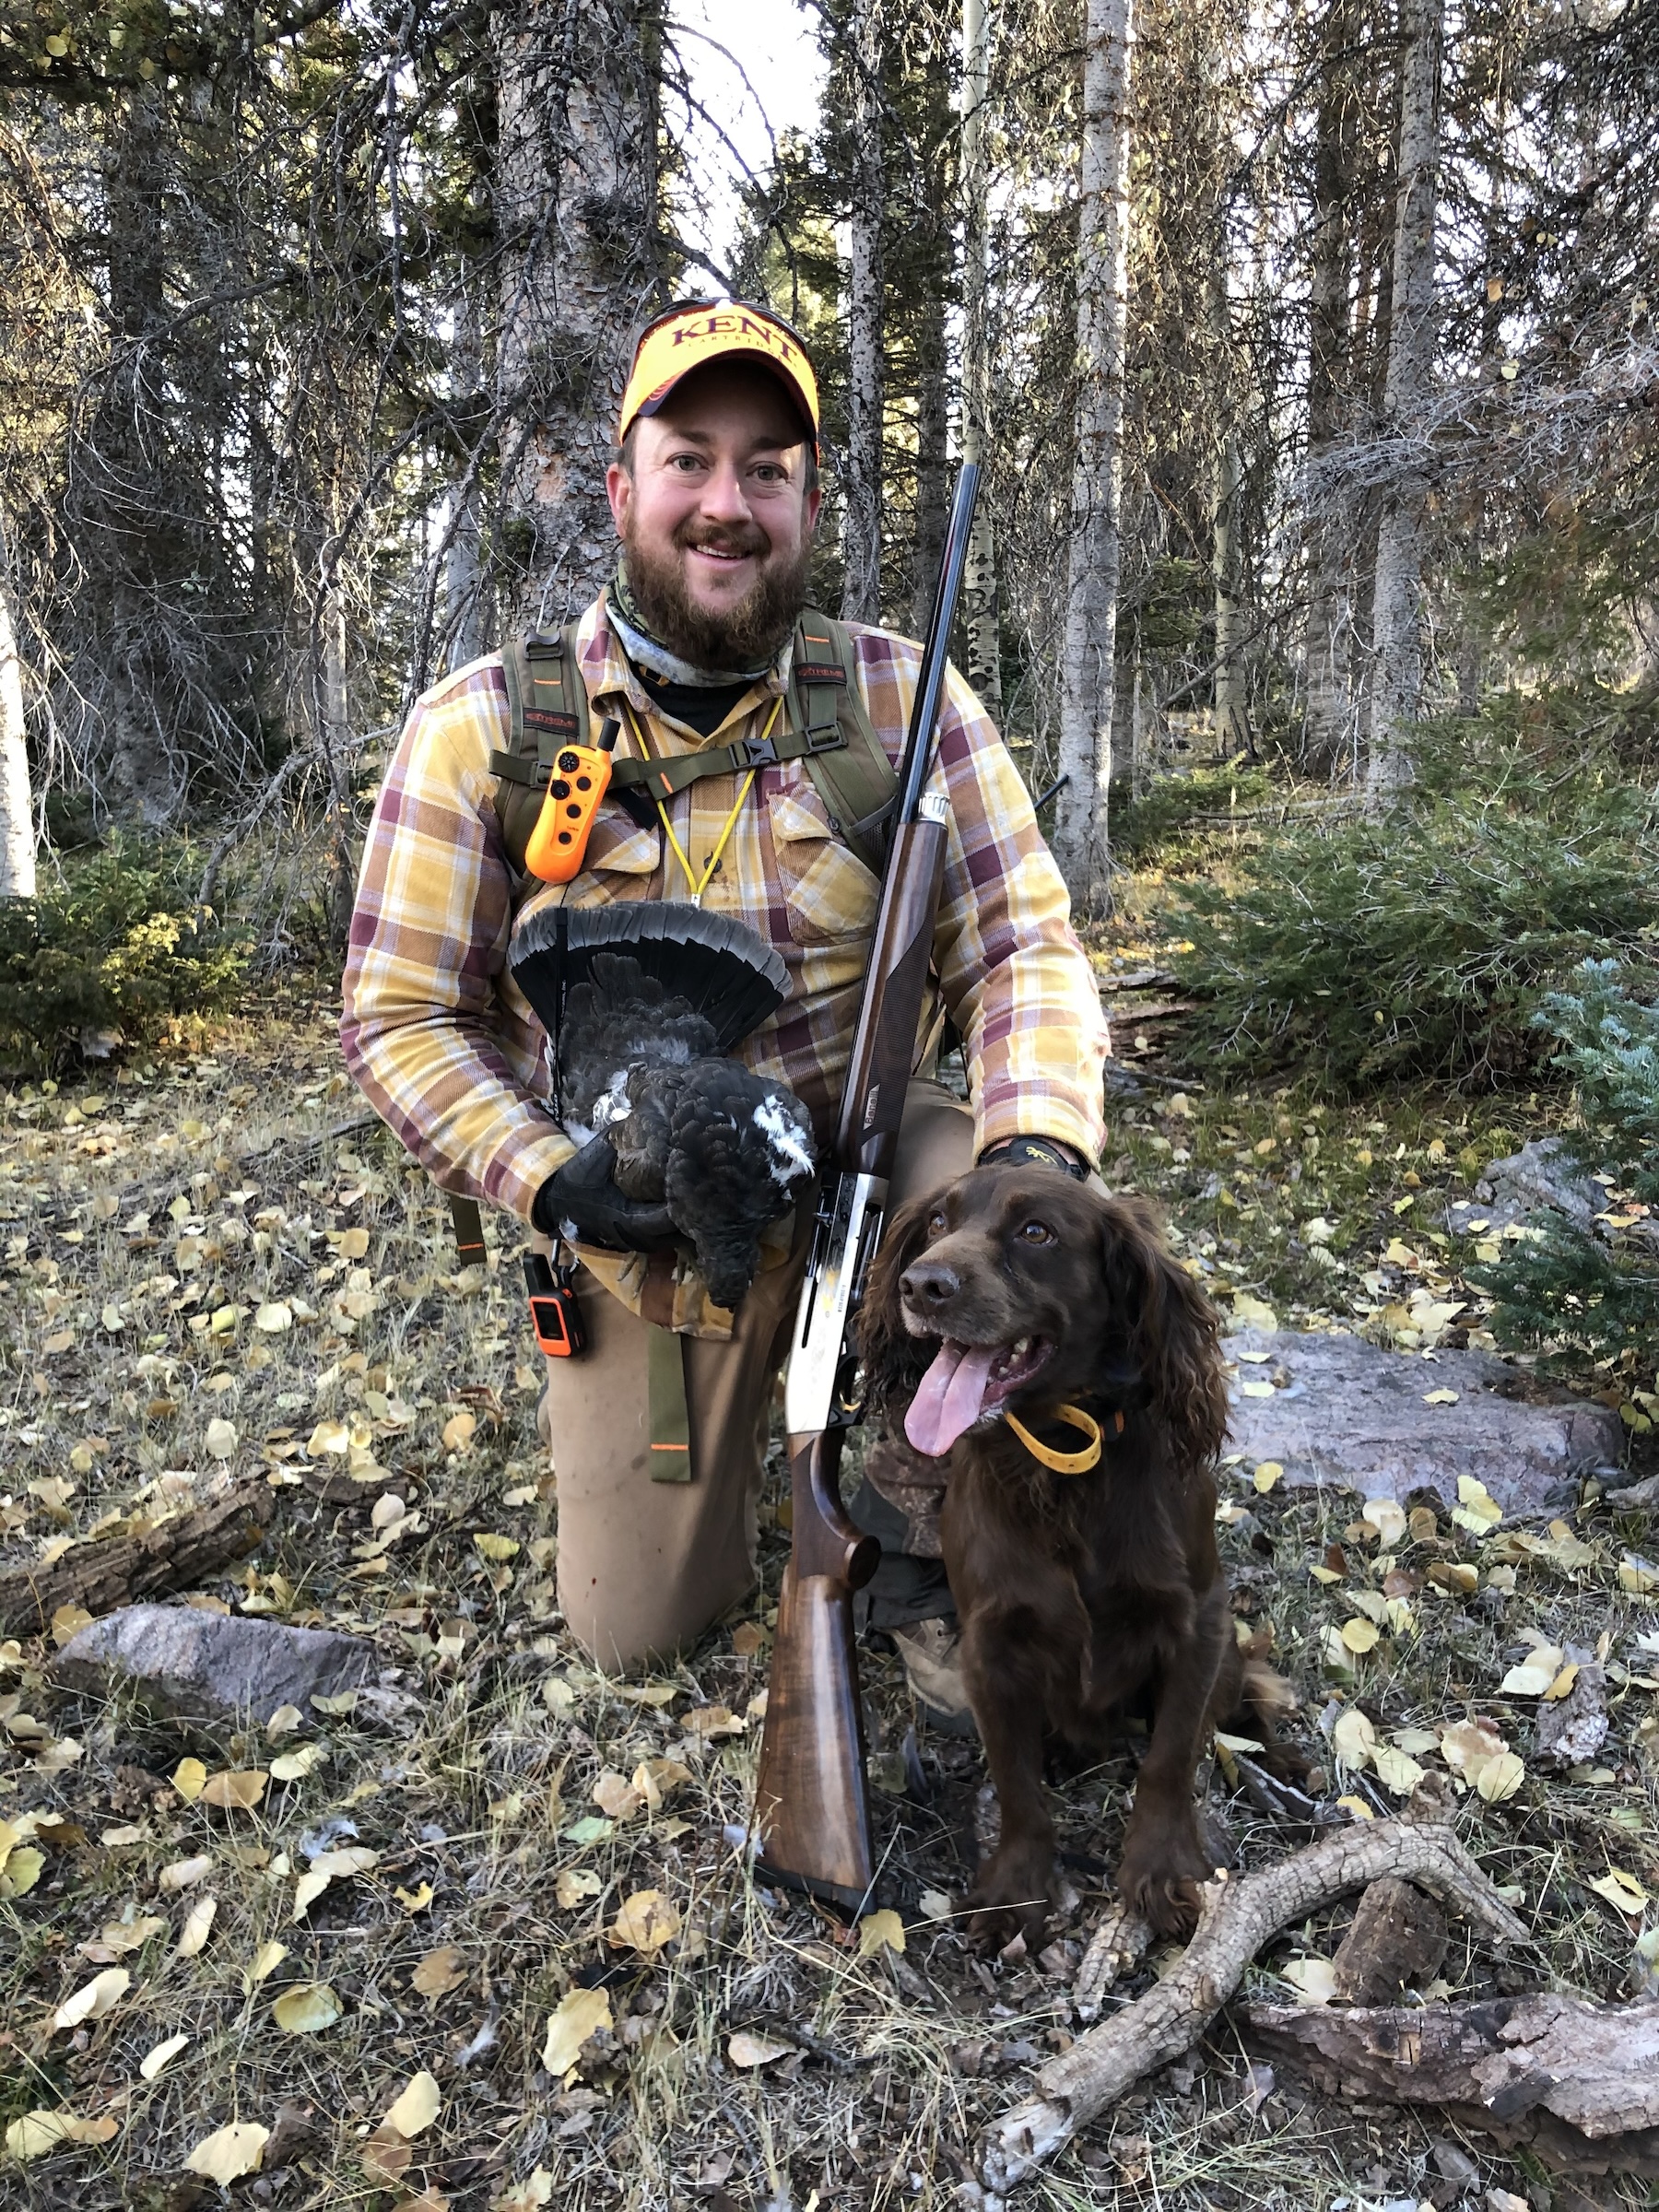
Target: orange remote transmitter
[[554, 1313], [580, 776]]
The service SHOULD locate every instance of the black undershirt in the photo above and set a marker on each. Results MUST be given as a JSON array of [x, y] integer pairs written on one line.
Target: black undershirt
[[701, 707]]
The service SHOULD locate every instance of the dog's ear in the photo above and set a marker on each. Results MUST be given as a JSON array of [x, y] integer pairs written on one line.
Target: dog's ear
[[894, 1361], [1173, 1329]]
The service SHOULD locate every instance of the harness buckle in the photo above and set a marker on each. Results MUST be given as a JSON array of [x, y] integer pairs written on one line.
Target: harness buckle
[[826, 739], [758, 752]]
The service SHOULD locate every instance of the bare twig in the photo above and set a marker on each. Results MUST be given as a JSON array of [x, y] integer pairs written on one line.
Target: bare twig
[[1236, 1919]]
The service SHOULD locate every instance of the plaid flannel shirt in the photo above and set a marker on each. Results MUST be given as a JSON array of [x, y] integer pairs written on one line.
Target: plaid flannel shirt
[[446, 1049]]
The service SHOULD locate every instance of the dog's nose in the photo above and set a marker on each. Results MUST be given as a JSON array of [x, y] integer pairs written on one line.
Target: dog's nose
[[930, 1283]]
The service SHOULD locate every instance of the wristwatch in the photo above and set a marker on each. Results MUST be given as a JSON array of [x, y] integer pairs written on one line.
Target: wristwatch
[[1035, 1152]]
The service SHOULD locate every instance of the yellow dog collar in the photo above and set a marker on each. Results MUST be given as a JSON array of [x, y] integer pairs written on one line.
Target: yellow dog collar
[[1067, 1463]]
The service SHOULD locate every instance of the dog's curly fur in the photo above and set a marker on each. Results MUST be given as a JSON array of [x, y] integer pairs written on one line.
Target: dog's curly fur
[[1082, 1597]]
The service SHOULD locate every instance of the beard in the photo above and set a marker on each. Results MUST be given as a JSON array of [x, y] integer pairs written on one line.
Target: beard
[[744, 637]]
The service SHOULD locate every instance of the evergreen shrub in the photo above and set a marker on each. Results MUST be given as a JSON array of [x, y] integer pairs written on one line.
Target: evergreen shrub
[[1420, 943], [1176, 809], [116, 945], [1588, 1293]]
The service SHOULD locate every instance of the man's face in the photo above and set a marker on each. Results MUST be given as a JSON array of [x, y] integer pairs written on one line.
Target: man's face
[[715, 517]]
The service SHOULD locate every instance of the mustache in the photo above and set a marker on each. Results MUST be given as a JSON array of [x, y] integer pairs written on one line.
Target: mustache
[[713, 537]]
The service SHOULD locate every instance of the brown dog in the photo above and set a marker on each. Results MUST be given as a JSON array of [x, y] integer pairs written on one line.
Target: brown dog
[[1086, 1593]]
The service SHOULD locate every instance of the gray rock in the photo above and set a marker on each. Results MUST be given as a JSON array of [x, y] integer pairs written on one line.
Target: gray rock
[[197, 1666], [1539, 1179], [1345, 1413]]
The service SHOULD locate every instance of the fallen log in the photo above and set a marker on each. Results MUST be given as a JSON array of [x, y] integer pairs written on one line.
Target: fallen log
[[1576, 2082], [117, 1570], [1236, 1918]]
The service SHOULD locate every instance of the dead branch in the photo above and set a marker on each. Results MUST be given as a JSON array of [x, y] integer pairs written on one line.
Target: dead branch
[[1577, 2082], [153, 1559], [1236, 1919]]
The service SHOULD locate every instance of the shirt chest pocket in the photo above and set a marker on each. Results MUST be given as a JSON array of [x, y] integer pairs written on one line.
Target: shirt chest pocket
[[828, 894], [619, 860]]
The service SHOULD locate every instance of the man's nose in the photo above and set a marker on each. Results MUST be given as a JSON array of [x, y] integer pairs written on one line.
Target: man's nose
[[930, 1284], [724, 497]]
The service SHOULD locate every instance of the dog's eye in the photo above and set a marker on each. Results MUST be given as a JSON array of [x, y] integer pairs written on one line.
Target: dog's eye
[[1036, 1232], [936, 1224]]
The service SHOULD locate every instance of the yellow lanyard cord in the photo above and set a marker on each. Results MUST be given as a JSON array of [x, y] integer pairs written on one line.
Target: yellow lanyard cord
[[700, 887]]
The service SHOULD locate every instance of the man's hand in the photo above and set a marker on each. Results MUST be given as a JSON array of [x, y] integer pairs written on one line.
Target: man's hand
[[582, 1201]]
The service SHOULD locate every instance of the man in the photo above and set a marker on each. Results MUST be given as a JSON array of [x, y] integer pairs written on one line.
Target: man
[[715, 496]]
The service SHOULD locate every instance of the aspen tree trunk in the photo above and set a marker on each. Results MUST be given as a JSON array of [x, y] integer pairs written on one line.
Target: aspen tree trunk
[[16, 804], [1233, 722], [860, 512], [576, 213], [1396, 619], [464, 609], [1086, 672], [933, 439], [1329, 732], [984, 656]]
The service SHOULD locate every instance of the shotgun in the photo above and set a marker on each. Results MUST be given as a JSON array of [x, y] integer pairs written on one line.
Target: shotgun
[[812, 1809]]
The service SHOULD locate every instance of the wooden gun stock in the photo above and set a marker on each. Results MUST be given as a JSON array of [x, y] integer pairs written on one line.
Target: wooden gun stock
[[812, 1805]]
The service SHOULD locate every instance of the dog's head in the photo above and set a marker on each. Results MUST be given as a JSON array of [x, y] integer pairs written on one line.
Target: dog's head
[[1016, 1287]]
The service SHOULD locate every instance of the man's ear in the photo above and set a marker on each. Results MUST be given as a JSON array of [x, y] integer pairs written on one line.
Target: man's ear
[[815, 500], [618, 491], [1173, 1330]]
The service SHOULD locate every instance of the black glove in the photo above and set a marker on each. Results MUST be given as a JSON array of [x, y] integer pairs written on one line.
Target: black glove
[[581, 1200]]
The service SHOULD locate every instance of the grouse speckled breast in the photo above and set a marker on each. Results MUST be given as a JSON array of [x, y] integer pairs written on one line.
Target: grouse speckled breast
[[644, 1005]]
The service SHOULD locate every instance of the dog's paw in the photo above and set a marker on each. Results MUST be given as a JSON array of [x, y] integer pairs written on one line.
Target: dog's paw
[[1159, 1876], [1010, 1897]]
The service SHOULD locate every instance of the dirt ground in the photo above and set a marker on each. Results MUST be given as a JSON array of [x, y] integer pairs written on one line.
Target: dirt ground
[[214, 1266]]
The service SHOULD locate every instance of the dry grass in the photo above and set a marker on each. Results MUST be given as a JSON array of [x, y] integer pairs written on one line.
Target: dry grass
[[472, 1777]]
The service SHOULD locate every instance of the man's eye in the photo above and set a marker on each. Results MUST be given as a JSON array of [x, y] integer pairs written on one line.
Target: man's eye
[[1036, 1232]]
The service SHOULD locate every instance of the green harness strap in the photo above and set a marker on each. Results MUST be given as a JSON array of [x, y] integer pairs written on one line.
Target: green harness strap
[[670, 1415]]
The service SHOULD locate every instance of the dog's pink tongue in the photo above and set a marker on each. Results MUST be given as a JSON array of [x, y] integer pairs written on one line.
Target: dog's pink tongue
[[948, 1401]]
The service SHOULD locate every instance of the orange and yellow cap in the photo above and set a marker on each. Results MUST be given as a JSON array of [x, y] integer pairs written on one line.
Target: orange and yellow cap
[[696, 332]]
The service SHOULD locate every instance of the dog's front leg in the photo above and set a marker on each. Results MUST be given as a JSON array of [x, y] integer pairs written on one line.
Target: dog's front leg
[[1164, 1857], [1002, 1663]]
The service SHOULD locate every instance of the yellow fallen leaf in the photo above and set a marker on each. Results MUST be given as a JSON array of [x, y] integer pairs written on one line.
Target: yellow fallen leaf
[[1397, 1769], [22, 1870], [386, 2155], [1638, 1577], [645, 1922], [1387, 1516], [747, 2050], [416, 2108], [1358, 1807], [274, 1317], [93, 1999], [1324, 1574], [328, 1436], [265, 1960], [1501, 1778], [414, 1900], [1534, 1676], [657, 1777], [711, 1721], [1353, 1738], [67, 1622], [528, 2197], [574, 1883], [284, 1722], [496, 1548], [1562, 1684], [307, 1890], [1454, 1574], [34, 2133], [880, 1931], [222, 1438], [439, 1973], [1622, 1890], [229, 2152], [616, 1799], [236, 1789], [198, 1926], [294, 1766], [306, 2010], [459, 1431], [1315, 1979], [189, 1778], [1466, 1745], [1268, 1472], [162, 2054], [1360, 1635], [579, 2016]]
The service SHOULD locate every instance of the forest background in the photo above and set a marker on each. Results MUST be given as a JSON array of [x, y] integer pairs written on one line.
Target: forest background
[[1312, 355]]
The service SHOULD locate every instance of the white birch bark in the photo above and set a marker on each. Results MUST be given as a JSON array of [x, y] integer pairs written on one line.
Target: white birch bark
[[1397, 613], [576, 211], [1086, 671], [861, 507], [17, 801], [979, 580], [1330, 720]]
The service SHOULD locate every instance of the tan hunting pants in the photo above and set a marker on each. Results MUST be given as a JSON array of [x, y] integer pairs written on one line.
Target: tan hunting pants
[[644, 1566]]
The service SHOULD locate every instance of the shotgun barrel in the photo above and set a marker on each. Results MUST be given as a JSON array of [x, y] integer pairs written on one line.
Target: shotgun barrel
[[812, 1807]]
